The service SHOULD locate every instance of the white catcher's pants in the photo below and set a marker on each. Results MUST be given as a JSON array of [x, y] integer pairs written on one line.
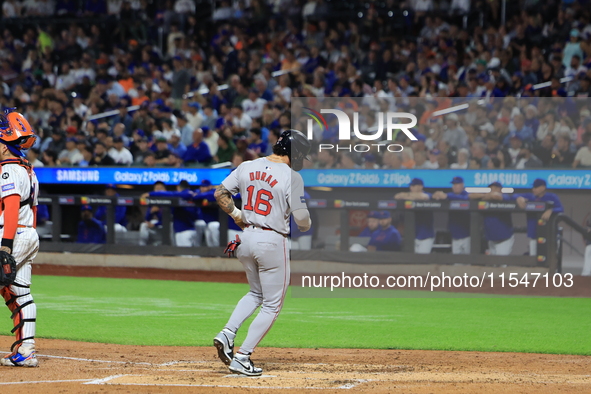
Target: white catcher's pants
[[26, 246]]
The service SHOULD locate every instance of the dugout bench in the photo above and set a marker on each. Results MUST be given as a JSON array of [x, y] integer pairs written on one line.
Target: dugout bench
[[548, 252]]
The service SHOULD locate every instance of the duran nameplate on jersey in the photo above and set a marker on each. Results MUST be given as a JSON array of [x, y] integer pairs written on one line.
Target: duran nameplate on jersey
[[351, 204]]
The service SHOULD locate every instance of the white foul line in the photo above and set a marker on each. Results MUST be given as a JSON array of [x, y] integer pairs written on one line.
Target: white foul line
[[182, 362], [46, 381], [346, 386], [103, 380], [92, 360]]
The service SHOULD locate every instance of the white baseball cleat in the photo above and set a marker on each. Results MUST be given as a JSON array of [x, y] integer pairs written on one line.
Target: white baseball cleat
[[224, 343], [23, 357], [243, 365]]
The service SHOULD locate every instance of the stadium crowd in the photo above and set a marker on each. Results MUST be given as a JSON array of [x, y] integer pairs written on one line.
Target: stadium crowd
[[527, 80]]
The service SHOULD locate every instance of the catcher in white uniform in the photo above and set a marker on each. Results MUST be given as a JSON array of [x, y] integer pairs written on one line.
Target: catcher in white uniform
[[270, 190], [19, 189]]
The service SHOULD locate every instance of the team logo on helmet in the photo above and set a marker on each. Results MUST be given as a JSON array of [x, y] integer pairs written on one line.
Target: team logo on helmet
[[16, 132]]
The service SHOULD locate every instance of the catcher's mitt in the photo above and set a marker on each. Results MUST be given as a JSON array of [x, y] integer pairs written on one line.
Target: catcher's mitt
[[232, 245], [8, 269]]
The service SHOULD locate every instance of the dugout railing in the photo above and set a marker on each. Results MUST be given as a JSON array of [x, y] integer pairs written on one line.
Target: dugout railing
[[548, 255], [557, 221]]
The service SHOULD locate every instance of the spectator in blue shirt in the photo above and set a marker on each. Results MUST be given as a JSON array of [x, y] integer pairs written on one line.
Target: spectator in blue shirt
[[90, 230], [521, 130], [538, 193], [176, 146], [198, 152], [256, 143], [386, 237], [95, 7]]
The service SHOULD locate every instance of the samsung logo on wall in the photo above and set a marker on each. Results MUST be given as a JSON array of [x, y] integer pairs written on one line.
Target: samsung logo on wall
[[78, 175], [506, 178]]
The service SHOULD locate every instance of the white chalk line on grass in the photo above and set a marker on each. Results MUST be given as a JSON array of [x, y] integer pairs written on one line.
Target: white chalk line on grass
[[45, 381]]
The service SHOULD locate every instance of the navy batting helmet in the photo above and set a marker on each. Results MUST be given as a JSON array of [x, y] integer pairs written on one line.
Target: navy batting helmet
[[293, 143]]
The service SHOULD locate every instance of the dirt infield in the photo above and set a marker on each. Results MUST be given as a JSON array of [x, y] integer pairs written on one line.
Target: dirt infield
[[76, 367]]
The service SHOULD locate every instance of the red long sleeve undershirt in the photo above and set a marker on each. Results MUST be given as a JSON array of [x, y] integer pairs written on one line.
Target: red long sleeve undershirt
[[11, 205]]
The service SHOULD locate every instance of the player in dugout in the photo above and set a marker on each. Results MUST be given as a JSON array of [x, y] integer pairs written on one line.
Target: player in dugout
[[458, 222], [498, 226], [120, 211], [153, 220], [386, 237], [538, 193], [209, 222], [373, 222], [424, 230], [90, 229], [184, 218]]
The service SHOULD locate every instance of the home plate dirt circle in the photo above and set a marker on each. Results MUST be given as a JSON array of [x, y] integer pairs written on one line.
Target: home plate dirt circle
[[77, 367]]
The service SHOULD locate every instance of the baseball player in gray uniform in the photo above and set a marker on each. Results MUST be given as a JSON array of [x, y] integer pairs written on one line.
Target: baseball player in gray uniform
[[271, 190]]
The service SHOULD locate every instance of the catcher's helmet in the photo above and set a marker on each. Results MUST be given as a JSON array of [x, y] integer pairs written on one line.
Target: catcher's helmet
[[293, 143], [16, 132]]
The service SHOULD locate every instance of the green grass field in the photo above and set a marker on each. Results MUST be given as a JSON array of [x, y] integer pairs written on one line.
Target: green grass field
[[149, 312]]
